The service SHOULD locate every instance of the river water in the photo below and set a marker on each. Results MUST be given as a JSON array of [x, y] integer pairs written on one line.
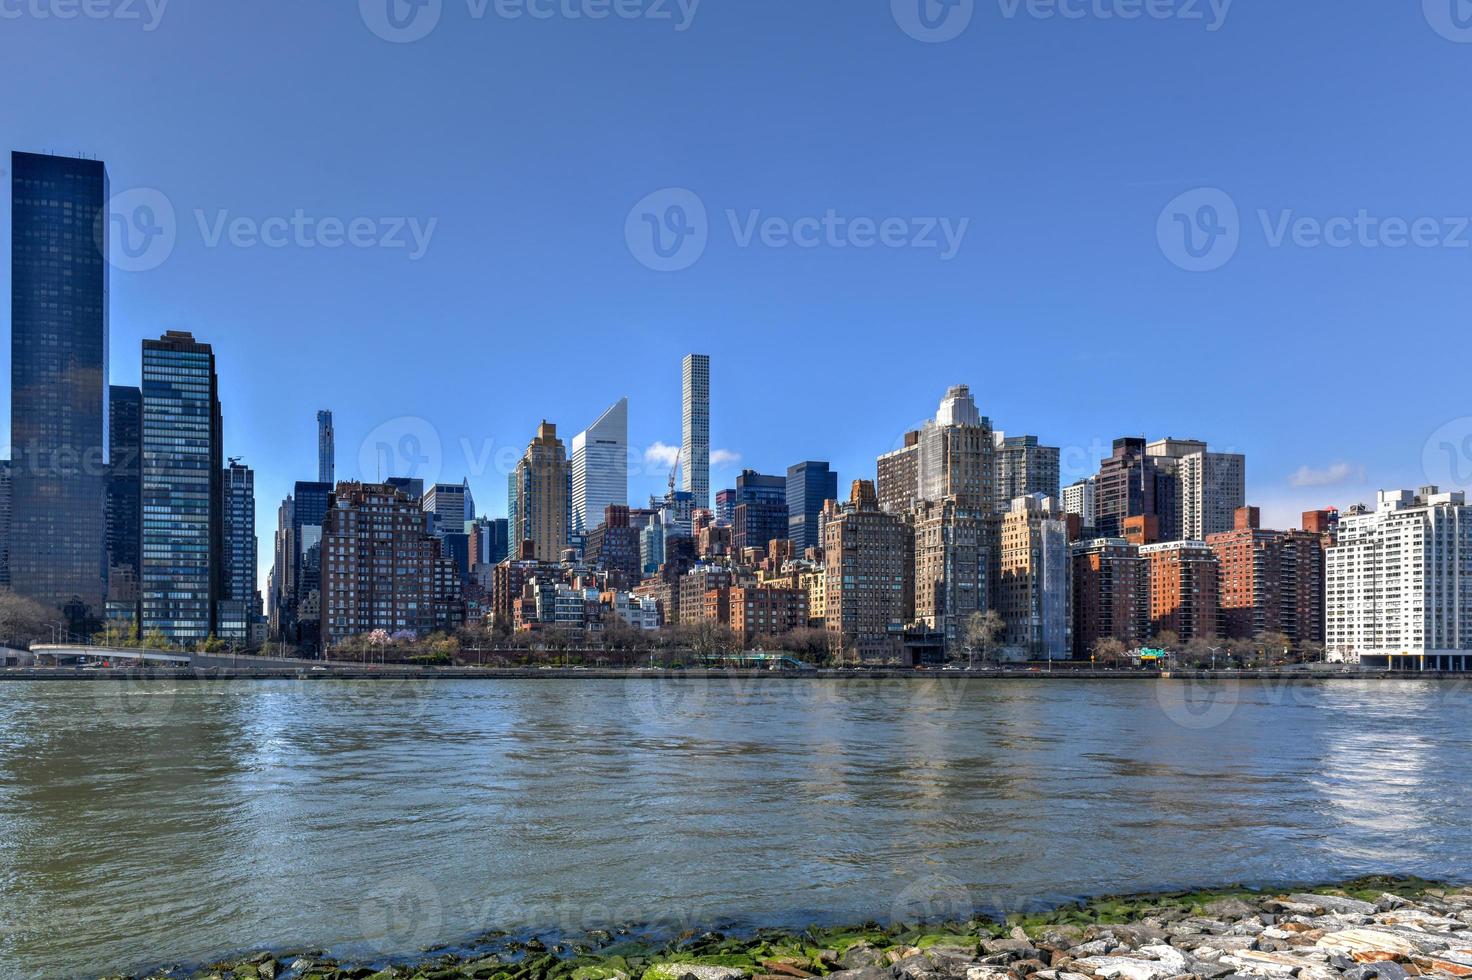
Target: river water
[[148, 823]]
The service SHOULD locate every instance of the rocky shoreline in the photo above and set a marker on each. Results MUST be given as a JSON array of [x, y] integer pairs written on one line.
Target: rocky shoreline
[[1369, 929]]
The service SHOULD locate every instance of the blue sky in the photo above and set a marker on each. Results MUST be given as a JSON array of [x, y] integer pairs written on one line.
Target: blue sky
[[527, 152]]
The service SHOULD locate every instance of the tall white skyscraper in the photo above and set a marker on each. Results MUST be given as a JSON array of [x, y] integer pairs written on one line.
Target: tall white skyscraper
[[695, 451], [600, 468]]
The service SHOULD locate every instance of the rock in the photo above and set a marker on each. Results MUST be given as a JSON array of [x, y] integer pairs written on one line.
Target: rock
[[1229, 908], [1335, 903], [1169, 957], [1124, 966], [864, 973], [1457, 962], [1060, 937], [1097, 947], [978, 973], [861, 955], [678, 971], [1399, 942], [1266, 964], [1138, 934], [1023, 947]]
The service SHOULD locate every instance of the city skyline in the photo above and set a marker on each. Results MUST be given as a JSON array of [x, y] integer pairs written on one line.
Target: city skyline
[[1062, 246]]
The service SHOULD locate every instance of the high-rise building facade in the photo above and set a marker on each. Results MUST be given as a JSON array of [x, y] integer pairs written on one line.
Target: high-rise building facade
[[381, 569], [1034, 579], [1078, 499], [181, 475], [59, 391], [867, 561], [958, 454], [761, 511], [1211, 487], [898, 483], [124, 490], [1133, 483], [5, 498], [1271, 581], [1111, 595], [237, 603], [540, 485], [1024, 468], [695, 448], [810, 486], [1184, 595], [600, 468], [326, 449], [447, 507], [953, 561], [1400, 580]]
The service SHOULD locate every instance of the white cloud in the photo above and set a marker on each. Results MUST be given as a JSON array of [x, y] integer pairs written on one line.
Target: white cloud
[[661, 454], [1330, 476], [725, 457]]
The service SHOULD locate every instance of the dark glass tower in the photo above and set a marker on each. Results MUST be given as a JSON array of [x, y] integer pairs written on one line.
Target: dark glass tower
[[58, 378], [181, 488], [809, 486], [124, 489], [238, 558]]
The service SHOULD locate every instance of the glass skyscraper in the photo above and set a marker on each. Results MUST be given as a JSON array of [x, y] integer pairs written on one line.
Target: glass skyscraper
[[809, 486], [58, 376], [326, 448], [238, 560], [181, 488], [600, 468], [124, 504]]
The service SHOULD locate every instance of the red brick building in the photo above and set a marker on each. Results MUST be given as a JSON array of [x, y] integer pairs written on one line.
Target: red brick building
[[1111, 595], [1184, 589], [1270, 581]]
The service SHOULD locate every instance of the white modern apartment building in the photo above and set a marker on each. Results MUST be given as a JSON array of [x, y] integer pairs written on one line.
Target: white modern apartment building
[[600, 468], [1399, 589]]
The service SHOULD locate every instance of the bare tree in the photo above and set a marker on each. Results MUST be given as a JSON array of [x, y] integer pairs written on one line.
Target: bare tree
[[1110, 651], [22, 620], [983, 630]]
